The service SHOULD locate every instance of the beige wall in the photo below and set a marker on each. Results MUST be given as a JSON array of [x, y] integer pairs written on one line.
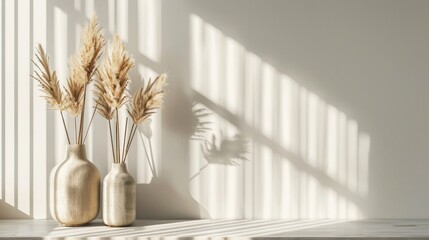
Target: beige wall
[[329, 94]]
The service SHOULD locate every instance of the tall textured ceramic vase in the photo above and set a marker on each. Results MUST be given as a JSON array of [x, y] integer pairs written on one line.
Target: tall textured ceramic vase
[[75, 188], [119, 197]]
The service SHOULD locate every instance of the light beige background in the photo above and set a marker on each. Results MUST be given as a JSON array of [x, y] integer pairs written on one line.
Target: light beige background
[[332, 96]]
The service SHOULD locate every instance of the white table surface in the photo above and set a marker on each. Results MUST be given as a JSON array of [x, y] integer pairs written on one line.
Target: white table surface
[[217, 229]]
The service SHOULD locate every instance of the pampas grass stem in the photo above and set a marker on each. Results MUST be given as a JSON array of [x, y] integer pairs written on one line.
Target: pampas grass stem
[[64, 124], [75, 129], [118, 151], [132, 133], [90, 122], [125, 137], [129, 139], [82, 115], [111, 140]]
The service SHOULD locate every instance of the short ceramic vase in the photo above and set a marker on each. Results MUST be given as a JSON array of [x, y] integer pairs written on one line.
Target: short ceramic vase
[[75, 189], [119, 197]]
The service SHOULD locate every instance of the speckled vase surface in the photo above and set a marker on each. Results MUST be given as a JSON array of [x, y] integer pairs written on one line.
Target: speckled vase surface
[[75, 188], [119, 197]]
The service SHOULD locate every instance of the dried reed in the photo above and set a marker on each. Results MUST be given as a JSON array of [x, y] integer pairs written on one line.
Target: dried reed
[[84, 63], [49, 85], [111, 84], [111, 88], [82, 66], [144, 103]]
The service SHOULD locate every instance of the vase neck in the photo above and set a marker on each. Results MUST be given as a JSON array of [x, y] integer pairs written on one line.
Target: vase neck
[[76, 151], [119, 167]]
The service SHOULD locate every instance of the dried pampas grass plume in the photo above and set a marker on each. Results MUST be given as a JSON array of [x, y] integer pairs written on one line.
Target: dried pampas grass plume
[[147, 99], [104, 103], [144, 103], [50, 85], [111, 89], [75, 91], [92, 44], [48, 81], [83, 64], [112, 79]]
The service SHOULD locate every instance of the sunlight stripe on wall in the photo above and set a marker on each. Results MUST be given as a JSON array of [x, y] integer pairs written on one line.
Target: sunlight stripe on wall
[[24, 101], [122, 20], [10, 101], [40, 172], [149, 29], [59, 62]]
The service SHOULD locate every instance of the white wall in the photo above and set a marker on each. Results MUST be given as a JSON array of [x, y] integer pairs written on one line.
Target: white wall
[[331, 96]]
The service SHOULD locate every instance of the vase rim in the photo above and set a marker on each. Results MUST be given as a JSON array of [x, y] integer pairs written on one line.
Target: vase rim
[[119, 167]]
